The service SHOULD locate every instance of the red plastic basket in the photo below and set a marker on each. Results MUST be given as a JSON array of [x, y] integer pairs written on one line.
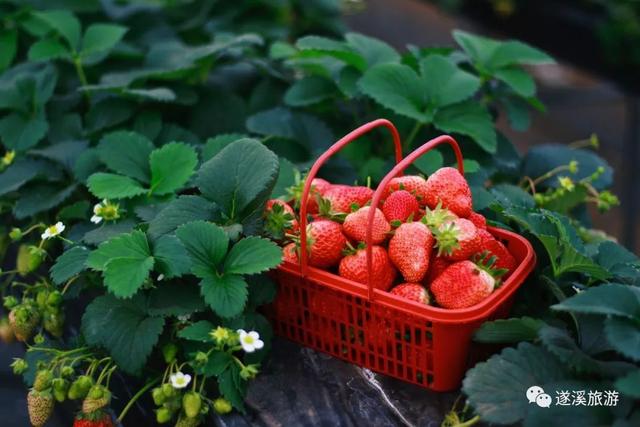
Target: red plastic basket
[[420, 344]]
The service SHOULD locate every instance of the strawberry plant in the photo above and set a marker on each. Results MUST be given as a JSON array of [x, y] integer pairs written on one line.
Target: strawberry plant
[[138, 161]]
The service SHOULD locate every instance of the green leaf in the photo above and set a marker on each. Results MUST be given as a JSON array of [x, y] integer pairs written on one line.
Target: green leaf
[[70, 263], [124, 276], [509, 330], [175, 299], [517, 112], [515, 52], [123, 328], [214, 145], [397, 87], [518, 79], [429, 162], [20, 172], [545, 157], [629, 384], [78, 210], [64, 23], [206, 244], [21, 133], [126, 153], [111, 186], [226, 294], [471, 119], [493, 54], [41, 197], [171, 167], [182, 210], [198, 331], [170, 256], [216, 364], [232, 387], [445, 83], [496, 388], [566, 259], [239, 179], [317, 46], [101, 37], [624, 335], [262, 290], [9, 47], [107, 113], [609, 299], [47, 49], [308, 91], [252, 255], [107, 231], [129, 245], [125, 260], [301, 127], [64, 153], [374, 51]]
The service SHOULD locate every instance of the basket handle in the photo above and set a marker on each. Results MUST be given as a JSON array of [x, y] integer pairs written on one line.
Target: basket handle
[[345, 140], [397, 169]]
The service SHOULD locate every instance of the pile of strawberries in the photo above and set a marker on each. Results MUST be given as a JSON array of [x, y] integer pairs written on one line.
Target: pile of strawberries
[[429, 246]]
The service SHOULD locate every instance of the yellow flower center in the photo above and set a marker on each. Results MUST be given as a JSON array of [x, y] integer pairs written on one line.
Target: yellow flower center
[[249, 339]]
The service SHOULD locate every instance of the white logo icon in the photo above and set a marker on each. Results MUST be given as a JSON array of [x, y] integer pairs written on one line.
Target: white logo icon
[[543, 400], [536, 394], [533, 392]]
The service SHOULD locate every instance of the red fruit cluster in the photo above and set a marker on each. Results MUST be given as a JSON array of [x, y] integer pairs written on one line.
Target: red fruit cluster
[[425, 235]]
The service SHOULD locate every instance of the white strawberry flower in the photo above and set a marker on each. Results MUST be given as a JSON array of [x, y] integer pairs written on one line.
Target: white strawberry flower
[[250, 341], [105, 210], [53, 231], [180, 380]]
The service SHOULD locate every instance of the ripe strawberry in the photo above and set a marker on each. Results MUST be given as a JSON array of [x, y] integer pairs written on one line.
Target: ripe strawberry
[[40, 406], [478, 220], [504, 259], [400, 206], [99, 419], [354, 267], [438, 265], [355, 226], [280, 218], [410, 250], [343, 197], [448, 186], [290, 253], [457, 240], [414, 184], [411, 291], [325, 243], [23, 320], [463, 284]]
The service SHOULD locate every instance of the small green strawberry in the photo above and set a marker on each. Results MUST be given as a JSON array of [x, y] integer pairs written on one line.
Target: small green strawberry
[[191, 403], [169, 352], [184, 421], [43, 380], [98, 397], [158, 396], [23, 320], [163, 415], [222, 406], [29, 259]]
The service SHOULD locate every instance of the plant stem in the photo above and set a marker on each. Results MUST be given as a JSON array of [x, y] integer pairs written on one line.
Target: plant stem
[[412, 136], [136, 397], [81, 76]]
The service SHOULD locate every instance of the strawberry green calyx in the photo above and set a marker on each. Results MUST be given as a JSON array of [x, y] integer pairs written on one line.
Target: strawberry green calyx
[[485, 261], [351, 250], [43, 380], [446, 236], [437, 217], [325, 210]]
